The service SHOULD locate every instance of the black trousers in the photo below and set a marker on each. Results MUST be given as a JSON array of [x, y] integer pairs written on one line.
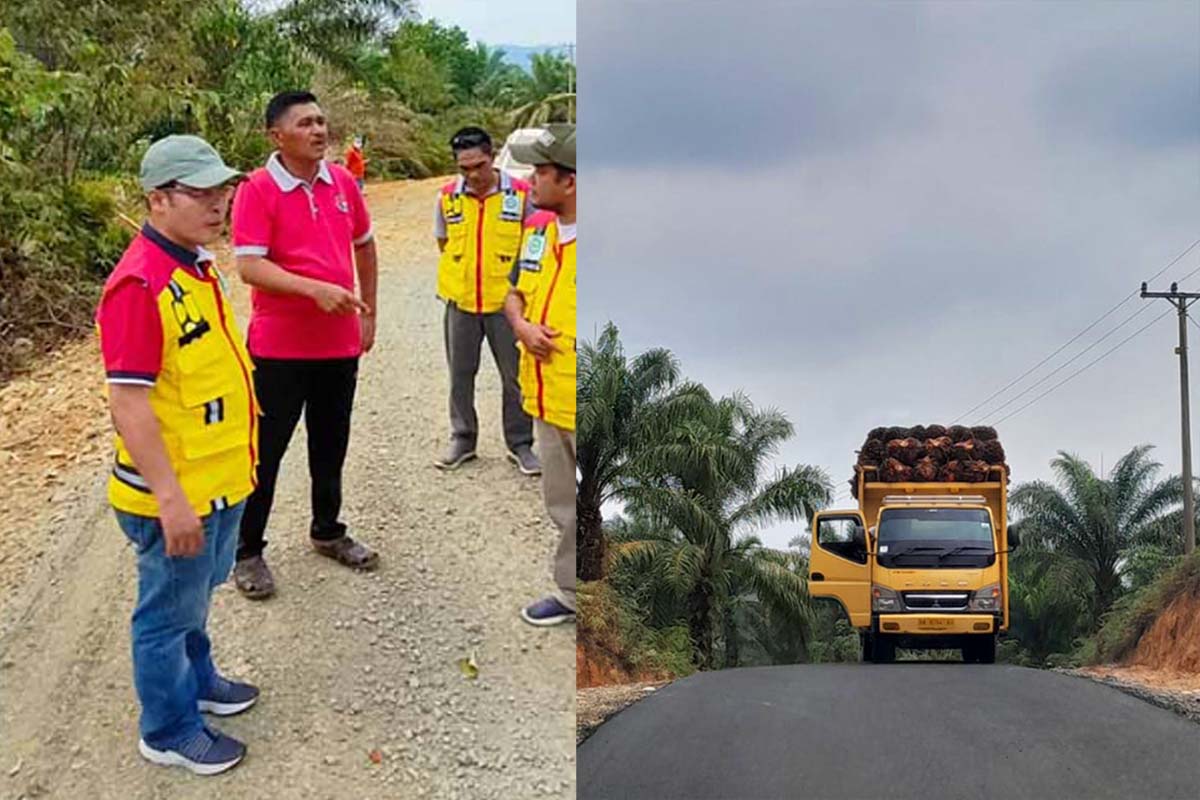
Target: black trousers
[[323, 390]]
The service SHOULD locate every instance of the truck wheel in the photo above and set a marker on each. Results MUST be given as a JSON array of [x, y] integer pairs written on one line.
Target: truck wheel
[[865, 641], [885, 650], [986, 654]]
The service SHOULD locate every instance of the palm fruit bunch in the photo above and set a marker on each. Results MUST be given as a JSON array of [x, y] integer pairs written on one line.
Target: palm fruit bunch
[[930, 453]]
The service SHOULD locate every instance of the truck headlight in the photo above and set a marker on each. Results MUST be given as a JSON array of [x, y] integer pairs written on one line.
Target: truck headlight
[[986, 599], [885, 599]]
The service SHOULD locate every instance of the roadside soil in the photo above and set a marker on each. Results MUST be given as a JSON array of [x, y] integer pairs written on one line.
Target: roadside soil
[[363, 695]]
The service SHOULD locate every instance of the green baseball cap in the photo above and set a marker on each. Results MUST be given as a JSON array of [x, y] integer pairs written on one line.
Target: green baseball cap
[[555, 145], [188, 160]]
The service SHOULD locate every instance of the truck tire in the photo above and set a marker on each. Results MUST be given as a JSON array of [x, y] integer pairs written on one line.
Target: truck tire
[[884, 650], [987, 649], [980, 649], [866, 642]]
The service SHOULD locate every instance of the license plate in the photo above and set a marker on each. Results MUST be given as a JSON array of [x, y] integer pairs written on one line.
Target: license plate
[[933, 623]]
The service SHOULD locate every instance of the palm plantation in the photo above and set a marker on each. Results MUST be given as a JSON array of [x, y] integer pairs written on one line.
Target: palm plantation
[[1086, 529], [691, 472], [693, 477]]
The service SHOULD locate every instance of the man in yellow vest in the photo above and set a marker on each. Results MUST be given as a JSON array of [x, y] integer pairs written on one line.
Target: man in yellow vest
[[181, 394], [477, 224], [541, 308]]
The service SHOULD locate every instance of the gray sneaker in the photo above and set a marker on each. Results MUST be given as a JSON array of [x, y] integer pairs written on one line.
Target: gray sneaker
[[460, 452], [525, 460]]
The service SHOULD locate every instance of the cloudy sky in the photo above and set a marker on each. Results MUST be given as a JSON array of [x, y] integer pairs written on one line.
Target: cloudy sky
[[877, 214], [525, 22]]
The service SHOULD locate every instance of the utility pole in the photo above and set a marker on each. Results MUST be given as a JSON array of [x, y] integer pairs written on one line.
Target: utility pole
[[1181, 301]]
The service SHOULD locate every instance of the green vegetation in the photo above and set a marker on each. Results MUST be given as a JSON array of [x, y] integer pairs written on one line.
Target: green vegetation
[[86, 85], [1101, 556]]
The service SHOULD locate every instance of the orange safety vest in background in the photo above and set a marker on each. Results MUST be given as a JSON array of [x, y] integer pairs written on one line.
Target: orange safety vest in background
[[355, 163], [546, 279], [483, 236]]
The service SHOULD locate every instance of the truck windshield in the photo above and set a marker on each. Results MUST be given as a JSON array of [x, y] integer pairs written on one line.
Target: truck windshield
[[935, 537]]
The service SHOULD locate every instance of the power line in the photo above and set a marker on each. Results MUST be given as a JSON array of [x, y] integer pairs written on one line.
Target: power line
[[1063, 365], [1085, 367], [1076, 337], [1074, 358]]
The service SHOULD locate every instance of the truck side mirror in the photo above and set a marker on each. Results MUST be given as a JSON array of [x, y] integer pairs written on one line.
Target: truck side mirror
[[1014, 539]]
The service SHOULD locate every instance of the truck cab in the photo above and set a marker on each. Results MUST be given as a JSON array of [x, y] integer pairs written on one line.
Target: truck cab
[[918, 565]]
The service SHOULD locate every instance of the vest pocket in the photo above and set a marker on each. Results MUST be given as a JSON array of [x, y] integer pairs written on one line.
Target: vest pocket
[[212, 394], [507, 243], [456, 234]]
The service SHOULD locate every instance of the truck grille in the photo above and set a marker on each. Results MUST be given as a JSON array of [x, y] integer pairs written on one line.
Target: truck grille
[[936, 601]]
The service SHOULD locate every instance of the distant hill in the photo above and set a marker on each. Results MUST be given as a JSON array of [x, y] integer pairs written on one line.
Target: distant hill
[[521, 55]]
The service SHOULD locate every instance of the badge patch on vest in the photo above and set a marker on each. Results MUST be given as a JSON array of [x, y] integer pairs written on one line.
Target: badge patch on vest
[[453, 209], [192, 323], [342, 205], [534, 249], [510, 208]]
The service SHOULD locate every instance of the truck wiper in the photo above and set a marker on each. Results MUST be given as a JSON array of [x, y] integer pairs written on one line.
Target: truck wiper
[[919, 550], [955, 550]]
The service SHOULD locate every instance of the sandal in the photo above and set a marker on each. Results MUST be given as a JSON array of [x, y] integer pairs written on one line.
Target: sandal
[[253, 579], [346, 551]]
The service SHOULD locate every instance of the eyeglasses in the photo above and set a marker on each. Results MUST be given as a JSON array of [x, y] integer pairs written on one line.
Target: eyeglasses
[[217, 194]]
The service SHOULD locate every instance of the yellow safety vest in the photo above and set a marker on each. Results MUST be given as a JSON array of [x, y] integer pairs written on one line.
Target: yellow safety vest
[[546, 279], [483, 237], [204, 400]]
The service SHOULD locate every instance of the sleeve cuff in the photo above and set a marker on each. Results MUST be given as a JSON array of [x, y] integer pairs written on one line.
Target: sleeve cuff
[[250, 250], [366, 237], [131, 378]]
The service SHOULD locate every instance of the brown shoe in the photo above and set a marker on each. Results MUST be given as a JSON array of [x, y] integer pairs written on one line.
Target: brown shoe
[[345, 550], [252, 577]]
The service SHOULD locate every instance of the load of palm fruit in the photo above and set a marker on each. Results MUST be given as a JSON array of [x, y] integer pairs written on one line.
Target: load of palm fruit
[[930, 453]]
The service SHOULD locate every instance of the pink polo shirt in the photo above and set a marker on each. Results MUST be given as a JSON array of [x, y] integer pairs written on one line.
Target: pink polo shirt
[[311, 230]]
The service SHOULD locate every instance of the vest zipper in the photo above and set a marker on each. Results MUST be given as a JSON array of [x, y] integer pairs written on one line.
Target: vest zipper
[[479, 257]]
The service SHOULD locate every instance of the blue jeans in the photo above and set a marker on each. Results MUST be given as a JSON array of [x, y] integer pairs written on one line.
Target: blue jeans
[[172, 661]]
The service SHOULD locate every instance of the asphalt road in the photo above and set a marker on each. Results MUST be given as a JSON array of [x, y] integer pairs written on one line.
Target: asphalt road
[[895, 731]]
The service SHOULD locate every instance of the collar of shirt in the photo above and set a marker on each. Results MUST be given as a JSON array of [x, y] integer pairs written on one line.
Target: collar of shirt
[[198, 259], [286, 181], [502, 185]]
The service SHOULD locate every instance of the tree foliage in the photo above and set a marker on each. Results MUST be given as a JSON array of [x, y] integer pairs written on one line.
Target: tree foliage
[[87, 85]]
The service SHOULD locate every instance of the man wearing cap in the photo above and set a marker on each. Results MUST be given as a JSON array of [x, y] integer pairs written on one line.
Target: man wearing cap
[[541, 308], [182, 400], [301, 234], [477, 224]]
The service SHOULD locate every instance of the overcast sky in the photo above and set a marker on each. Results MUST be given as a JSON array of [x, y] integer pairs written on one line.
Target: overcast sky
[[525, 22], [874, 214]]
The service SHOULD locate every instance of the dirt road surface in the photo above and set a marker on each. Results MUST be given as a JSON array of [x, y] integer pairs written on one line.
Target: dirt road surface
[[351, 666]]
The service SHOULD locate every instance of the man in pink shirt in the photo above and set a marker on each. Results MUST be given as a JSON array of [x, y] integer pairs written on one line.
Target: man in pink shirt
[[301, 231]]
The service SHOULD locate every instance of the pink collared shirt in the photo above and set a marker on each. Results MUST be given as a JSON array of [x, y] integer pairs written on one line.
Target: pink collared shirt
[[310, 230]]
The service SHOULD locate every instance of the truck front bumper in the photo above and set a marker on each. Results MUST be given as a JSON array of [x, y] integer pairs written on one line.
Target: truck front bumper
[[937, 624]]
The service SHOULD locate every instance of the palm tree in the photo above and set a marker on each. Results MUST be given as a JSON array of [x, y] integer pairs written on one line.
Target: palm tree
[[783, 638], [616, 398], [1092, 524], [550, 93], [699, 485]]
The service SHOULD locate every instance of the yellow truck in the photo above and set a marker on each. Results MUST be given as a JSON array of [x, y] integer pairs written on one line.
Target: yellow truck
[[919, 565]]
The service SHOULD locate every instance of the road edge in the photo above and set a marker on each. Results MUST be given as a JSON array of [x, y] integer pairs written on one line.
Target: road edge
[[1187, 708]]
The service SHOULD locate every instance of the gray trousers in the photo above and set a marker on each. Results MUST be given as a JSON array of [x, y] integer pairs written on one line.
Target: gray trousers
[[464, 341], [556, 449]]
